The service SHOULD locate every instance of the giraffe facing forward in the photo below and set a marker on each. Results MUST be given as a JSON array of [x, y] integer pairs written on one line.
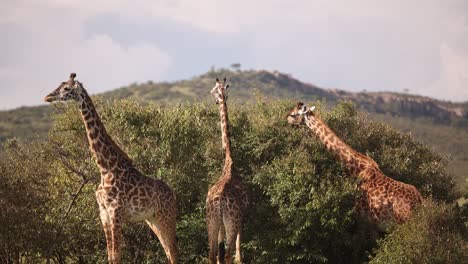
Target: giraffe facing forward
[[382, 197], [124, 194], [227, 199]]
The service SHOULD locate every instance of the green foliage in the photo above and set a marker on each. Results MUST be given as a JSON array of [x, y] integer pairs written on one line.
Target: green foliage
[[301, 197], [24, 202], [449, 141], [439, 124], [434, 235]]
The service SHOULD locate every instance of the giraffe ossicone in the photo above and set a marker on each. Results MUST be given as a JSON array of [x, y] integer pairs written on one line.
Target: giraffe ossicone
[[124, 194]]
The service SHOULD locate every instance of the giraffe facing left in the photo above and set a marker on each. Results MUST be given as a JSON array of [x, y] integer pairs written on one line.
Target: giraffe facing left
[[124, 194], [383, 198]]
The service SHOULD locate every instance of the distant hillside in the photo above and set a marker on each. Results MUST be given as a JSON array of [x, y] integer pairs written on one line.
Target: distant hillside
[[412, 106], [25, 122], [437, 123], [279, 85]]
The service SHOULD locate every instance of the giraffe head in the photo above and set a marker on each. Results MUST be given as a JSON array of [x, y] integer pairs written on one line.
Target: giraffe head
[[70, 90], [219, 91], [297, 114]]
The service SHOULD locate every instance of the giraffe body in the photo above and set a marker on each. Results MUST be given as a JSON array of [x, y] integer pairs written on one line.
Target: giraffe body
[[124, 194], [226, 200], [383, 198]]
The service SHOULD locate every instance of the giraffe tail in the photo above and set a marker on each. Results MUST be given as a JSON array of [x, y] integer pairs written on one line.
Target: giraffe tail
[[222, 251]]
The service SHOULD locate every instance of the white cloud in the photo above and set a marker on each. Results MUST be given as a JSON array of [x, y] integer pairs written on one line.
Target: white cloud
[[221, 16], [48, 44], [453, 79], [364, 44], [104, 61]]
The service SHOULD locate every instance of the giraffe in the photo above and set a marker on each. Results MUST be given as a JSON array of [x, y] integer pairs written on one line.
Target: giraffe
[[227, 198], [124, 194], [383, 198]]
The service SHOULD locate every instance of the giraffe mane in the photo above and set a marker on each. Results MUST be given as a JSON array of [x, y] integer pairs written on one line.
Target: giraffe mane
[[111, 141], [356, 153]]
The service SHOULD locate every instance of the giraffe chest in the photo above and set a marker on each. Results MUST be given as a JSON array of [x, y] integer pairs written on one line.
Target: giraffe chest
[[134, 208], [136, 199]]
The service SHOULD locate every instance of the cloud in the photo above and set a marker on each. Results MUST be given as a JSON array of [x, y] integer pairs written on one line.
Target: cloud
[[365, 44], [453, 79], [104, 61], [44, 46]]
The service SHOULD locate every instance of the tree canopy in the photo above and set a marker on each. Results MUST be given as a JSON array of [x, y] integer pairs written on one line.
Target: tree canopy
[[302, 199]]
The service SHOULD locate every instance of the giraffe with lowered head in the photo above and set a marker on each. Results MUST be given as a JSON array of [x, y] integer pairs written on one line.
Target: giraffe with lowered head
[[227, 199], [382, 197], [124, 194]]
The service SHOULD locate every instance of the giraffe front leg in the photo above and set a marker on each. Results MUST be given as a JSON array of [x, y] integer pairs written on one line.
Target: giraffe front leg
[[107, 232], [105, 221], [401, 211], [115, 218]]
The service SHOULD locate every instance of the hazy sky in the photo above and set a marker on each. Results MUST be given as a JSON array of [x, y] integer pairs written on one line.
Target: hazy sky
[[420, 45]]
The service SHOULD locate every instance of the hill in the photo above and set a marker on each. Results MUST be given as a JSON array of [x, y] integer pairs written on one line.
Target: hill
[[439, 124], [280, 85]]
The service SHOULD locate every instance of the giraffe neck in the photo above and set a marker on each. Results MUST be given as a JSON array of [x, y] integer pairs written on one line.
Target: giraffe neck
[[107, 154], [226, 139], [354, 161]]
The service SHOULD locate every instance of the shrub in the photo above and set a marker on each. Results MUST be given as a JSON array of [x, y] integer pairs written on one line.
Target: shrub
[[433, 235], [301, 197]]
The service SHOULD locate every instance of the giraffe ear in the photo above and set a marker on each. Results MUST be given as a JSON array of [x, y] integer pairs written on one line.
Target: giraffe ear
[[304, 109], [78, 84]]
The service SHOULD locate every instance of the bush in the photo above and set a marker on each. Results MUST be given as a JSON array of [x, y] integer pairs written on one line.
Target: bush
[[433, 235], [301, 197]]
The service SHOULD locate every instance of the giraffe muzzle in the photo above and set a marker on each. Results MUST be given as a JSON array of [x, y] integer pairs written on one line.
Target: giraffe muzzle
[[49, 98]]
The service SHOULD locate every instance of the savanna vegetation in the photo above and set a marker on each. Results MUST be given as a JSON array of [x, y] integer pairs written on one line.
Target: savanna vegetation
[[301, 198], [430, 121]]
